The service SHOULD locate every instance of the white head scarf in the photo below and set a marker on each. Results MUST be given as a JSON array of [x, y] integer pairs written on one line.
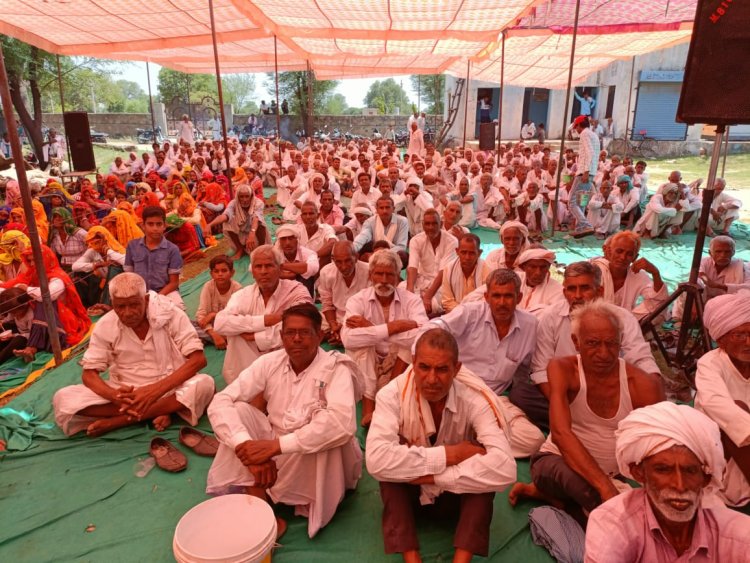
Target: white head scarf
[[515, 225], [653, 429], [536, 254], [726, 312]]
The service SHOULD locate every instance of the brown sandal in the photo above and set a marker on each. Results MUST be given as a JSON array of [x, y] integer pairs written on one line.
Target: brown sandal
[[167, 456], [200, 443]]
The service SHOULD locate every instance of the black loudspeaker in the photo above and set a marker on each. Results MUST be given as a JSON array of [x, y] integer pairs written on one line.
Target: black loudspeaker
[[79, 140], [486, 136], [714, 89]]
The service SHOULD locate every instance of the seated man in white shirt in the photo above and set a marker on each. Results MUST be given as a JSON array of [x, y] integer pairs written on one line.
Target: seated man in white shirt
[[338, 281], [354, 225], [589, 394], [515, 238], [604, 211], [385, 226], [538, 289], [452, 219], [725, 209], [153, 355], [627, 278], [251, 320], [429, 253], [675, 453], [581, 284], [438, 433], [287, 185], [315, 235], [304, 451], [366, 194], [722, 384], [380, 325], [299, 262], [465, 274], [119, 169], [496, 341]]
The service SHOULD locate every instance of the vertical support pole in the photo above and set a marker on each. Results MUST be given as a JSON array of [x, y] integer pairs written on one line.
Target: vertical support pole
[[502, 87], [221, 93], [189, 107], [28, 209], [150, 102], [278, 107], [561, 159], [310, 125], [438, 102], [62, 109], [630, 98], [466, 100], [726, 150], [419, 93]]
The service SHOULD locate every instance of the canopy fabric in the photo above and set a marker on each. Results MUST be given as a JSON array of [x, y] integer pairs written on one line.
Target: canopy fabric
[[357, 38]]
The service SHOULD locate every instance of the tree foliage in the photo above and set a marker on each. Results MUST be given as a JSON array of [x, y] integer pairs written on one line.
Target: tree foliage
[[335, 105], [176, 85], [294, 85], [238, 90], [430, 88], [387, 95]]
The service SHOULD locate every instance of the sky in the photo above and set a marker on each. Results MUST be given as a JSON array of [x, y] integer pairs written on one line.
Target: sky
[[354, 90]]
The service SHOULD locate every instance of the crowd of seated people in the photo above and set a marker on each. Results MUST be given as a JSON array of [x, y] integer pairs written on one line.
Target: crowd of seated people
[[462, 360]]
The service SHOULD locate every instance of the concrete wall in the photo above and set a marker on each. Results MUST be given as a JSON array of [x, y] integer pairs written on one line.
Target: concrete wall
[[116, 125]]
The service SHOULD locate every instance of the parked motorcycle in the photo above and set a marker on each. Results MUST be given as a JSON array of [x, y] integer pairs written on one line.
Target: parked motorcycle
[[146, 136]]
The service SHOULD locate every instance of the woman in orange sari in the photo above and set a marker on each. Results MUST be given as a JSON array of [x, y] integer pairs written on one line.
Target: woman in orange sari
[[122, 226], [212, 202], [72, 320], [188, 210]]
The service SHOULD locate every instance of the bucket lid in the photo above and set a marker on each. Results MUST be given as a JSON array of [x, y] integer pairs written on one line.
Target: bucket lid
[[226, 528]]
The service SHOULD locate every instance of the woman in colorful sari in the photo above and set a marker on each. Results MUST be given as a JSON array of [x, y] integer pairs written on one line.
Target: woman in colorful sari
[[84, 215], [42, 225], [212, 203], [12, 244], [122, 226], [72, 320], [102, 261], [4, 215], [148, 199], [188, 209], [66, 238], [184, 235]]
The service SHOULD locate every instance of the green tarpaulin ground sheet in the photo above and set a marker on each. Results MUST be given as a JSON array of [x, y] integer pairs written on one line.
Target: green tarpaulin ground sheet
[[79, 499]]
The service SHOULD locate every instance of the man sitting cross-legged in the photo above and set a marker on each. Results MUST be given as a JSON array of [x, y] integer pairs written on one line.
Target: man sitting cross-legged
[[722, 384], [465, 274], [675, 452], [380, 325], [438, 435], [251, 320], [589, 394], [385, 225], [153, 355], [337, 283], [304, 451]]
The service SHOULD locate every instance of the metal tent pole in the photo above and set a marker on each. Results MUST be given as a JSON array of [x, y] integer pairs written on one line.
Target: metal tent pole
[[28, 209], [221, 94], [466, 99], [150, 102], [500, 108], [630, 98], [62, 108], [726, 149], [565, 115], [278, 107]]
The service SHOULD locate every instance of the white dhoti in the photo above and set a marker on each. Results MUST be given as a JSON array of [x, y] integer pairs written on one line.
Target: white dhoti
[[243, 354], [313, 483], [195, 395], [525, 437], [377, 368], [420, 286], [604, 221]]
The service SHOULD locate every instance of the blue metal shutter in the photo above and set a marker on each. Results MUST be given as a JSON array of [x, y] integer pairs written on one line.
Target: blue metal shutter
[[656, 109]]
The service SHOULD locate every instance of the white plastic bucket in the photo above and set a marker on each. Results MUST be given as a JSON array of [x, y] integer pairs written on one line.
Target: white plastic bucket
[[226, 529]]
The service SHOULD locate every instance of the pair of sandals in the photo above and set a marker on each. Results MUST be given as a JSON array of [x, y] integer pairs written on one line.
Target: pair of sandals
[[169, 458]]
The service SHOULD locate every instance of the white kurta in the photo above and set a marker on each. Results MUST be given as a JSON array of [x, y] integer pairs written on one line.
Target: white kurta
[[285, 187], [719, 384], [658, 217], [323, 235], [604, 221], [333, 291], [553, 340], [637, 294], [132, 361], [535, 300], [368, 343], [245, 313], [313, 415], [467, 416], [429, 261]]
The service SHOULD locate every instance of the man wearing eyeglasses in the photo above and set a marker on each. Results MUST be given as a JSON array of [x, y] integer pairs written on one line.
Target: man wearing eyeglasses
[[303, 452], [723, 388]]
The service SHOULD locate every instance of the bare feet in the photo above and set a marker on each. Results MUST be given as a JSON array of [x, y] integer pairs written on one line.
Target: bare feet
[[280, 528], [27, 354], [162, 422], [529, 490], [238, 255], [104, 425]]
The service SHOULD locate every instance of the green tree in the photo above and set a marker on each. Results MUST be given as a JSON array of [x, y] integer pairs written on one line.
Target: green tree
[[294, 87], [32, 79], [387, 95], [238, 90], [430, 88], [174, 84], [335, 105]]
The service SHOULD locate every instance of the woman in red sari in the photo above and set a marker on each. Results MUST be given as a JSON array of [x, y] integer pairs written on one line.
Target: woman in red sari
[[72, 321]]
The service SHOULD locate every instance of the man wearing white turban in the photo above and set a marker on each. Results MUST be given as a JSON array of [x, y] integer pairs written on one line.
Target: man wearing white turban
[[675, 452], [723, 388], [514, 235]]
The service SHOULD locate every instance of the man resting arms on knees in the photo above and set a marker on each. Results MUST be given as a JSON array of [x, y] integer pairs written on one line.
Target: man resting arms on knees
[[153, 355]]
